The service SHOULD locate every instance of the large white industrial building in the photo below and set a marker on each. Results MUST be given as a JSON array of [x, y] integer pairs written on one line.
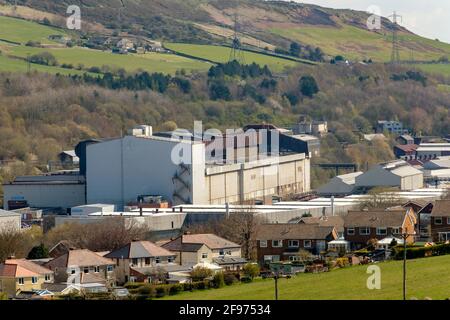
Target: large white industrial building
[[119, 170]]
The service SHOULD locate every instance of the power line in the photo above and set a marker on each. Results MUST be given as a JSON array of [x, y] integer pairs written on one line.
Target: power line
[[236, 47], [395, 55]]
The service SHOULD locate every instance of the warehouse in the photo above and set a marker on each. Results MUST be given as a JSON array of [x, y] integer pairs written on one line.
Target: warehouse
[[339, 186], [58, 190], [391, 174], [182, 171]]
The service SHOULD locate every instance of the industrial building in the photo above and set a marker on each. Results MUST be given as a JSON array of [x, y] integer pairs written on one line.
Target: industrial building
[[58, 190], [183, 171], [391, 174], [342, 185], [10, 221]]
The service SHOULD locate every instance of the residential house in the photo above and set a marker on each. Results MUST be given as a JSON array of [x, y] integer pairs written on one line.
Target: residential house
[[285, 242], [20, 275], [83, 268], [440, 221], [327, 221], [405, 139], [206, 248], [138, 261], [362, 226]]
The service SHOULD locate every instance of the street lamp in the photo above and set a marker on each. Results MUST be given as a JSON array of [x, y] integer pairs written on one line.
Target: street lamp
[[404, 237]]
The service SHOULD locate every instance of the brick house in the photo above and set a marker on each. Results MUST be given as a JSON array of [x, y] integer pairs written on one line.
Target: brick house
[[362, 226], [284, 242], [440, 221]]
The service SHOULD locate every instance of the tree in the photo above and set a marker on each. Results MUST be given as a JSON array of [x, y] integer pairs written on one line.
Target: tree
[[308, 86], [38, 252], [295, 49], [200, 273], [219, 91], [44, 58], [251, 270]]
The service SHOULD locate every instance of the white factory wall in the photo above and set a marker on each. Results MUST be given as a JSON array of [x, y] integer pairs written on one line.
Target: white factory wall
[[46, 195], [10, 222], [120, 170]]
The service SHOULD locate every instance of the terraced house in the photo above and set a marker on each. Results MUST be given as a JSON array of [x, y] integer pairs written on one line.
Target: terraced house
[[285, 242], [19, 276], [440, 221], [362, 226]]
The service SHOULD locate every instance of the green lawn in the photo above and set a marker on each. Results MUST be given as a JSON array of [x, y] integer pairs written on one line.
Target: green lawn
[[221, 54], [151, 62], [18, 30], [429, 277], [356, 43]]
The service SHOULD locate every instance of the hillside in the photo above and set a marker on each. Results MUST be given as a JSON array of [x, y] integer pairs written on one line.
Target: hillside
[[263, 24], [343, 284]]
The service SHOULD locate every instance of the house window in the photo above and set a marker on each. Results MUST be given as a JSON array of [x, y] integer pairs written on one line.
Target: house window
[[72, 271], [293, 243], [170, 259], [204, 255], [277, 243], [48, 277], [381, 231], [147, 261], [21, 281], [364, 231], [134, 261], [395, 230], [86, 270], [438, 220], [158, 259], [96, 269], [263, 243], [307, 243], [34, 280], [293, 258], [351, 231], [448, 220], [221, 252], [110, 268], [228, 252]]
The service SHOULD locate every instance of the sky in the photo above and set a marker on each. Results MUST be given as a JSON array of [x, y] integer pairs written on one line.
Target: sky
[[428, 18]]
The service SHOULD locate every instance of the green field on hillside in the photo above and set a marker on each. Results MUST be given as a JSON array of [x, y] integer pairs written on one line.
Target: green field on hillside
[[356, 43], [436, 68], [16, 65], [151, 62], [221, 54], [429, 277], [18, 30]]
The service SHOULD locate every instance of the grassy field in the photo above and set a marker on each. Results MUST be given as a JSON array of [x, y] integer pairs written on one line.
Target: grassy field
[[436, 68], [21, 31], [356, 43], [16, 65], [429, 277], [222, 54], [151, 62]]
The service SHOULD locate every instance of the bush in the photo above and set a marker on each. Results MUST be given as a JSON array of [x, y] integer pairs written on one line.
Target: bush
[[161, 291], [229, 279], [200, 273], [146, 290], [187, 286], [44, 58], [219, 280], [246, 279], [175, 289], [422, 252], [251, 270]]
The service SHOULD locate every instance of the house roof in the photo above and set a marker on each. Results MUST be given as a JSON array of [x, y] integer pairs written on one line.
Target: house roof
[[293, 231], [80, 258], [325, 221], [210, 240], [22, 268], [407, 147], [441, 208], [176, 245], [225, 260], [374, 219], [139, 249]]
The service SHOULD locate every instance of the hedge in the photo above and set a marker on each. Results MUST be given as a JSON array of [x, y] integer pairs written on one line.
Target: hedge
[[422, 252]]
